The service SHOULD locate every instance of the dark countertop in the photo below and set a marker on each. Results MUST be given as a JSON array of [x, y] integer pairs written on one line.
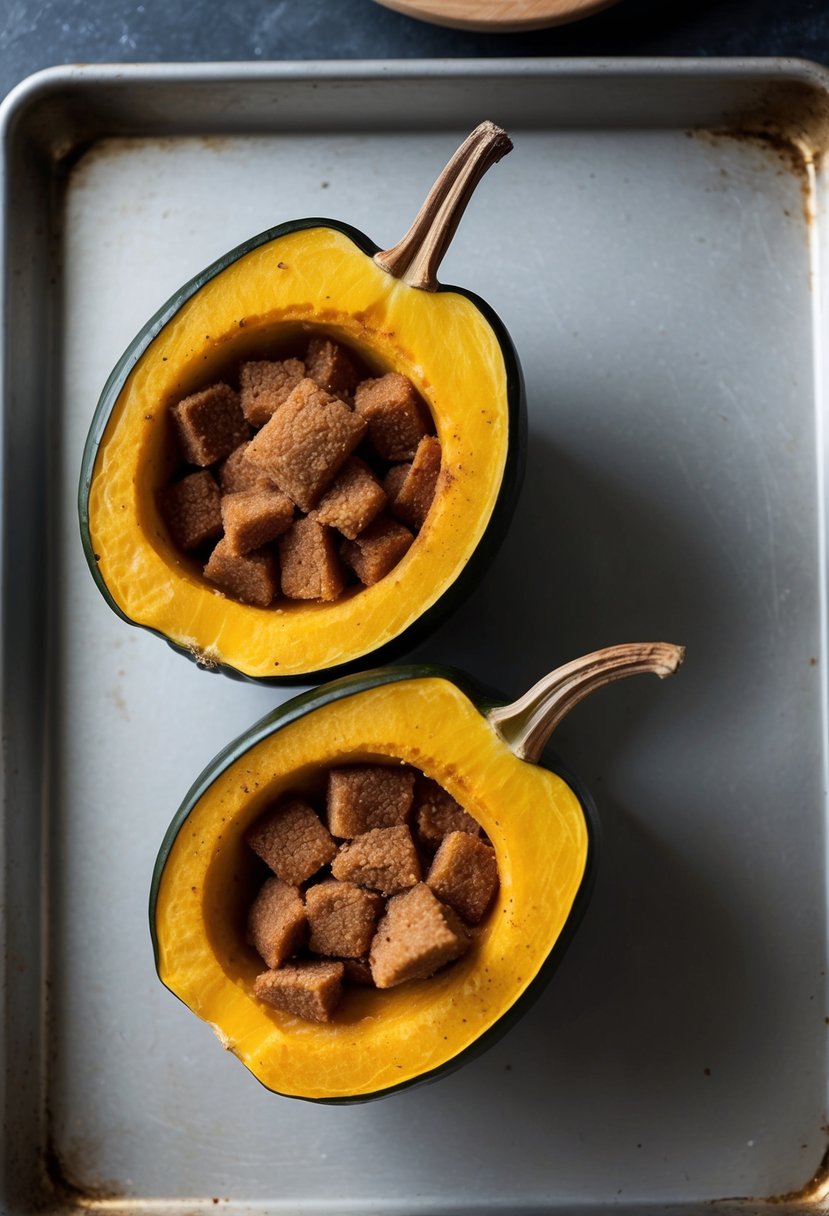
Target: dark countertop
[[38, 33]]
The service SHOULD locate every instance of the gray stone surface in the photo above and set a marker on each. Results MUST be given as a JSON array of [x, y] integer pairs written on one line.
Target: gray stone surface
[[37, 33]]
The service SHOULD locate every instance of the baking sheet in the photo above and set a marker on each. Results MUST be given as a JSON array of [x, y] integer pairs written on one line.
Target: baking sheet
[[663, 286]]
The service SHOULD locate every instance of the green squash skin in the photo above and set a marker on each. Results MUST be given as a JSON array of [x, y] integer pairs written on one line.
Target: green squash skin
[[488, 545], [338, 690]]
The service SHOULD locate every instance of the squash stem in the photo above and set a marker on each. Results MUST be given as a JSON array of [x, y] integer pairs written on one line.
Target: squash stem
[[527, 724], [416, 259]]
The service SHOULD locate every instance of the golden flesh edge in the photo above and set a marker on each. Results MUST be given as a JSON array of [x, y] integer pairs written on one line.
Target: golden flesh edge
[[276, 295], [378, 1039]]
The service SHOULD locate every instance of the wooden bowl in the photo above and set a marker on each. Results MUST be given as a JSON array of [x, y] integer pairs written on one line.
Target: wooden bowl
[[497, 16]]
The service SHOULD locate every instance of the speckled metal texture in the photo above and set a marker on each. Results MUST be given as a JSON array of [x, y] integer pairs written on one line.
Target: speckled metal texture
[[655, 245]]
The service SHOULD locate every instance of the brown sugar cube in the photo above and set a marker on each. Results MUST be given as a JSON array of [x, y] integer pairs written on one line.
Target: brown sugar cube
[[383, 859], [265, 385], [292, 840], [209, 424], [367, 796], [377, 550], [252, 578], [395, 479], [310, 991], [254, 517], [357, 971], [465, 875], [411, 487], [306, 443], [236, 474], [342, 918], [329, 364], [396, 417], [276, 923], [192, 510], [417, 935], [352, 500], [311, 569], [437, 814]]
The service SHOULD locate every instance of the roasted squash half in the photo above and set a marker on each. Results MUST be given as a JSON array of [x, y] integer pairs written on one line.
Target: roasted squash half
[[540, 823], [264, 298]]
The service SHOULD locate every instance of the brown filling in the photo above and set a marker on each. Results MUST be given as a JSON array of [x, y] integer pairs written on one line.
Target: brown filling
[[381, 886], [309, 477]]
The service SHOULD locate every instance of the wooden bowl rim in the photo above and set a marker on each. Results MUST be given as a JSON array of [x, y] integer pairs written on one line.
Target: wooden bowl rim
[[512, 16]]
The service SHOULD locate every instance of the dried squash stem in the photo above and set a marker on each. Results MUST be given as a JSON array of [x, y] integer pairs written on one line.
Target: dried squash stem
[[527, 724], [416, 259]]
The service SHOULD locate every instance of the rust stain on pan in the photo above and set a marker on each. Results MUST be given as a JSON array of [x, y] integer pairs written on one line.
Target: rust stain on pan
[[792, 117], [816, 1190], [809, 1199], [82, 158], [790, 121], [64, 1183]]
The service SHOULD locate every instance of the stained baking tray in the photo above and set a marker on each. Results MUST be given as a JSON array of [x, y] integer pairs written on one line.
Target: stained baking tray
[[655, 244]]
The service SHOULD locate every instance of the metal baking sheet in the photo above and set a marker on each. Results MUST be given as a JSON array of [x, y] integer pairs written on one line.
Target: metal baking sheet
[[655, 245]]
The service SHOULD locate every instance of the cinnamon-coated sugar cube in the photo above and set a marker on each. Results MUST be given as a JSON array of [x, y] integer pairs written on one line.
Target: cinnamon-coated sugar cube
[[292, 839], [252, 577], [330, 365], [464, 874], [310, 991], [265, 385], [277, 925], [352, 500], [306, 442], [209, 424], [397, 419], [311, 568], [377, 550], [365, 796], [342, 918], [437, 814], [191, 509], [383, 860], [255, 517], [237, 474], [417, 935], [411, 487]]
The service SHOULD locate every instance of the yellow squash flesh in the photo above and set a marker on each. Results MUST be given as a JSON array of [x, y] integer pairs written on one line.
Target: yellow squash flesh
[[379, 1040], [315, 277]]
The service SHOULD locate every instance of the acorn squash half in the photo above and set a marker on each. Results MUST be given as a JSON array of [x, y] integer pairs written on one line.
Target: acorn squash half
[[486, 755], [260, 300]]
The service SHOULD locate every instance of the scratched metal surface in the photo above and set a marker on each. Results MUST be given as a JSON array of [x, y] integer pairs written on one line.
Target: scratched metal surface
[[664, 293]]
